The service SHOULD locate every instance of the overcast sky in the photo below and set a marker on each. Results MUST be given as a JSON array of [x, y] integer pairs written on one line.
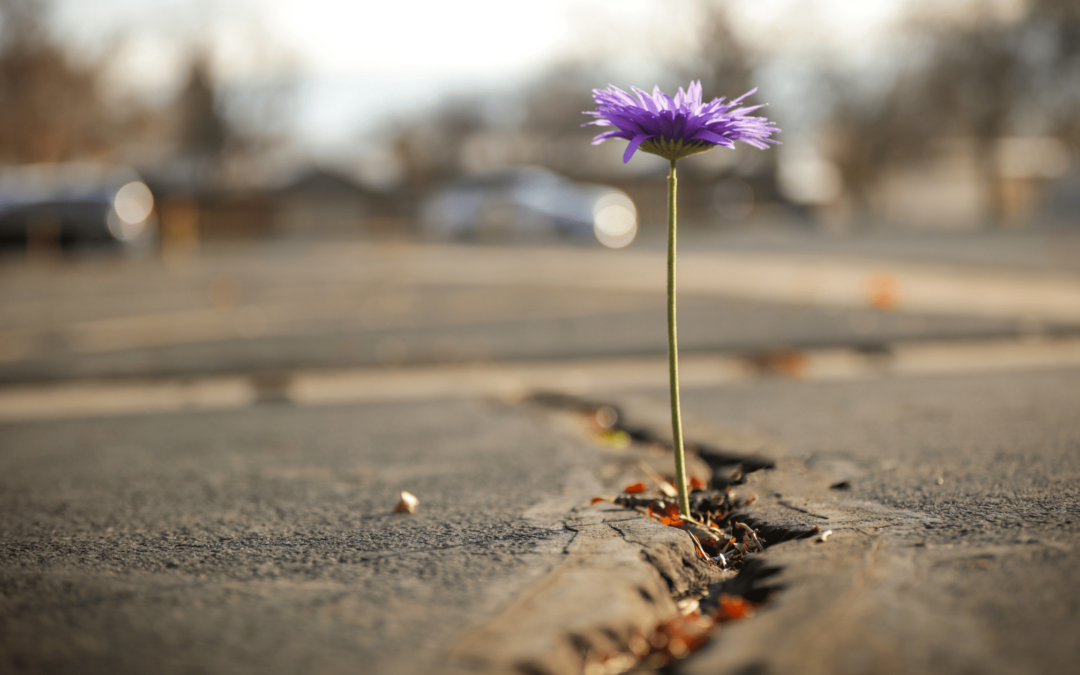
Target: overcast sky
[[356, 62]]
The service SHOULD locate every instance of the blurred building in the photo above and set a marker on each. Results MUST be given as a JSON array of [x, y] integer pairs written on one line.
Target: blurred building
[[323, 203]]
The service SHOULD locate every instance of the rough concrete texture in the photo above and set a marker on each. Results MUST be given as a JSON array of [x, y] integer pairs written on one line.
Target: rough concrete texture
[[955, 511], [617, 581], [262, 540]]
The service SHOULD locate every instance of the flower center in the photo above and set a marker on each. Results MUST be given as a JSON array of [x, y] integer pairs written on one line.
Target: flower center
[[673, 149]]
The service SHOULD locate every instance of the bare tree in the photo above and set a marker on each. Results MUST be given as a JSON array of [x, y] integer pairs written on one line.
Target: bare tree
[[201, 129], [979, 81], [50, 109], [723, 64], [429, 148]]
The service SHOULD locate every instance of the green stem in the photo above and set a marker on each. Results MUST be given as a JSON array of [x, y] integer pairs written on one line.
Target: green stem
[[673, 356]]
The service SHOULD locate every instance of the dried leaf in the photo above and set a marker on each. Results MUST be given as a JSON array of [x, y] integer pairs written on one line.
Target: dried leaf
[[635, 488], [599, 499], [788, 362], [883, 291], [697, 484], [407, 504], [733, 608]]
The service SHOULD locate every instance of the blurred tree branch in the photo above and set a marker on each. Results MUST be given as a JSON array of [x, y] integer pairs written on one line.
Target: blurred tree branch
[[50, 109], [981, 81]]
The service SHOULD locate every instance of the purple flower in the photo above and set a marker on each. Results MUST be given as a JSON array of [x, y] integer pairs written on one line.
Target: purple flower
[[676, 128]]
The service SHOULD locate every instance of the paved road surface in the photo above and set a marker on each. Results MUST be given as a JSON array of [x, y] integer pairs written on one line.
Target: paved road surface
[[262, 540], [257, 537], [277, 307], [956, 542]]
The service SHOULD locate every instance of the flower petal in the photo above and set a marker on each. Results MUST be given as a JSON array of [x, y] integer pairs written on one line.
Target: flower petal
[[744, 96], [677, 121], [632, 148], [600, 138], [706, 135]]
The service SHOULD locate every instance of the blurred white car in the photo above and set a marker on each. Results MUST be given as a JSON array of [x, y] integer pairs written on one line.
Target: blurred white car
[[75, 204], [528, 204]]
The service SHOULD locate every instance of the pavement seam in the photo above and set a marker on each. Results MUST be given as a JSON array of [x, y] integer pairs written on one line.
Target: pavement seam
[[515, 381]]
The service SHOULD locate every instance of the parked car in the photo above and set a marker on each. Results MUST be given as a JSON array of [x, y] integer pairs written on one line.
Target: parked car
[[528, 204], [74, 204]]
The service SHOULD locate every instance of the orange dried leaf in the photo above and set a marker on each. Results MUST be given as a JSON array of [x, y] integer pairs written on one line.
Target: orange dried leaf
[[733, 608], [673, 521], [697, 484], [793, 364], [883, 291], [635, 488], [597, 499]]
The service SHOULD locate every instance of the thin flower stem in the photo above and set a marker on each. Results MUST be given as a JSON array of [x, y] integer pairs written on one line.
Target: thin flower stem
[[673, 355]]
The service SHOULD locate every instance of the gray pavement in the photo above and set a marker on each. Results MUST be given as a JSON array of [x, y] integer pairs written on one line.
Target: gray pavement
[[263, 540], [275, 307], [259, 537], [1033, 250], [956, 519]]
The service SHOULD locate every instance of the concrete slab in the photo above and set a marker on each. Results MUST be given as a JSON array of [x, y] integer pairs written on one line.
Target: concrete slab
[[954, 507]]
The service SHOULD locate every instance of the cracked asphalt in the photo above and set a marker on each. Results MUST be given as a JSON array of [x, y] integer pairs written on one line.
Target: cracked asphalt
[[954, 502], [260, 539]]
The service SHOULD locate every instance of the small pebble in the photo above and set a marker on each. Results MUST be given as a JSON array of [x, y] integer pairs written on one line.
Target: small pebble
[[407, 504]]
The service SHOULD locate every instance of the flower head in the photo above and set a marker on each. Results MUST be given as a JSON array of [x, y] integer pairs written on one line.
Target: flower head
[[676, 128]]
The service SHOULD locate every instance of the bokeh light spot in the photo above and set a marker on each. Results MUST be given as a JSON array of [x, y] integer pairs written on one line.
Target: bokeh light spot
[[615, 220]]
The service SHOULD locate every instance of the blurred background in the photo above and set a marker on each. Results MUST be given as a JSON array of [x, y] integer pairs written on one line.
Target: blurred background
[[180, 174]]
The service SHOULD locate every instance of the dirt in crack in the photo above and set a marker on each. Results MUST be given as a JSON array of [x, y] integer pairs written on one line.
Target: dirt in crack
[[720, 532]]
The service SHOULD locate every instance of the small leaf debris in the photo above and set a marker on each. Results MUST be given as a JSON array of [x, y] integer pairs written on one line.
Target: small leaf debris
[[672, 639], [717, 537], [407, 504]]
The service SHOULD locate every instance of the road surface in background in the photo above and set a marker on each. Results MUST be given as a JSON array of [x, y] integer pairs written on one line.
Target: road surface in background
[[277, 306]]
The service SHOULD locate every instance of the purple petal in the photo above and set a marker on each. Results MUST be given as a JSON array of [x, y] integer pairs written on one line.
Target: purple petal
[[646, 101], [706, 135], [744, 96], [694, 93], [600, 138], [682, 119], [632, 148]]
